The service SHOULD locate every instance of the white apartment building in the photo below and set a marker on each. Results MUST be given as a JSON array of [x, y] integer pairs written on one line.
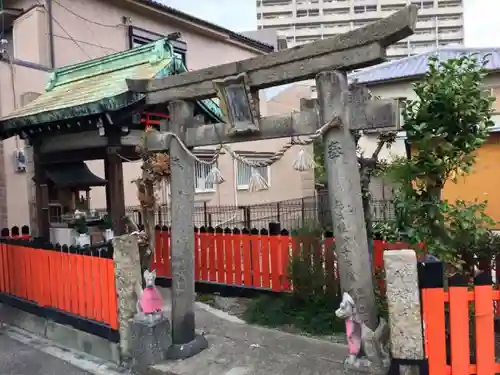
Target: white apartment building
[[440, 22]]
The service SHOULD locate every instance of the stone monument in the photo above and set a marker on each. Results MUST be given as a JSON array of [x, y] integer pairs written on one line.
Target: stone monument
[[405, 318], [127, 278]]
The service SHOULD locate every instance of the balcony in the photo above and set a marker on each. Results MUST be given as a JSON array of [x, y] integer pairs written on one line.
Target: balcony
[[308, 32], [307, 4], [336, 17], [336, 29], [284, 21], [426, 23], [451, 36], [393, 2], [450, 21], [422, 37], [334, 4], [275, 8]]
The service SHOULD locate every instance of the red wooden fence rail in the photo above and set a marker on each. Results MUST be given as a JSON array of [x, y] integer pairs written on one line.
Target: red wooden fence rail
[[457, 299], [250, 260], [77, 284]]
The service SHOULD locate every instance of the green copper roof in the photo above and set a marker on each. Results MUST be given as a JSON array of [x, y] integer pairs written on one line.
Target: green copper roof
[[99, 86]]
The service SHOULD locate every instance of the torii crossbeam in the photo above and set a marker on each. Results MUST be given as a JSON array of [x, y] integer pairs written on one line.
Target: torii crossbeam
[[355, 49]]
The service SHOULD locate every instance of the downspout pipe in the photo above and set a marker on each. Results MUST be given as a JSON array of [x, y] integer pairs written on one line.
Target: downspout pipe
[[51, 34]]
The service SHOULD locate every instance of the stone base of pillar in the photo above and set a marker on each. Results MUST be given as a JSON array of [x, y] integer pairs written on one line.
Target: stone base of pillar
[[364, 367], [149, 340], [190, 349]]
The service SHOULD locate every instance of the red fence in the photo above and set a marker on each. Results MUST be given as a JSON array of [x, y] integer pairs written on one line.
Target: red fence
[[459, 324], [81, 285], [250, 260]]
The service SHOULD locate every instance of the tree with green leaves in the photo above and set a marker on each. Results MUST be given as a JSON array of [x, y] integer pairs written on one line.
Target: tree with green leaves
[[445, 125]]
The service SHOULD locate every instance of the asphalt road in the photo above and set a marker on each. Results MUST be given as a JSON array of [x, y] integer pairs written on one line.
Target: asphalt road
[[20, 359]]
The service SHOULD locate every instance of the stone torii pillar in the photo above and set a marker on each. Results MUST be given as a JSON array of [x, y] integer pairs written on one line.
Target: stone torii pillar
[[344, 190], [185, 343]]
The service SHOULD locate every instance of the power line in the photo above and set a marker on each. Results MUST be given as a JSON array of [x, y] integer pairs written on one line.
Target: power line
[[73, 39], [66, 32], [86, 19]]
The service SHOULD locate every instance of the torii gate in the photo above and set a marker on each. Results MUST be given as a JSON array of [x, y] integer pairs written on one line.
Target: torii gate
[[237, 85]]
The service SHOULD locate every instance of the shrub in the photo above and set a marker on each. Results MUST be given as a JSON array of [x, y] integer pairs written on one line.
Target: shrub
[[312, 304]]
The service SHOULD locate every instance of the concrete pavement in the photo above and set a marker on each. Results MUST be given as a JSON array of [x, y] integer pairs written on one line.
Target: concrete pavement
[[23, 353], [237, 348], [20, 359]]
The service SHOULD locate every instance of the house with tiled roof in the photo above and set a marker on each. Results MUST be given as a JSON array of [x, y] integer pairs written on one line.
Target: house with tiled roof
[[394, 79], [43, 41]]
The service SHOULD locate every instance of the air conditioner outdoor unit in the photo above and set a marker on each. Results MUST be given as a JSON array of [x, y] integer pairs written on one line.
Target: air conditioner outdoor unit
[[19, 161]]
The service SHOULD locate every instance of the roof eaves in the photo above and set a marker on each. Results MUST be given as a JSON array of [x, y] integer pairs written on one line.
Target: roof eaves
[[264, 47], [412, 77], [363, 76]]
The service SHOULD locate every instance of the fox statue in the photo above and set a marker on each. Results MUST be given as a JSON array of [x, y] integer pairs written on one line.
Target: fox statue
[[367, 348], [149, 302]]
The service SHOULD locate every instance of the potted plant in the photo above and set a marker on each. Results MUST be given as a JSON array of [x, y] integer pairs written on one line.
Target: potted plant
[[106, 226], [80, 226]]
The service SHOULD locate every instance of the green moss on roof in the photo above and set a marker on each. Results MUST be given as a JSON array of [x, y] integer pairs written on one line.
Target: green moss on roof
[[98, 86]]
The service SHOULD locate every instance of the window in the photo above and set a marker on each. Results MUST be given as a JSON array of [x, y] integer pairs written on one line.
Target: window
[[276, 2], [424, 4], [276, 15], [336, 25], [449, 18], [391, 8], [308, 26], [244, 173], [424, 19], [365, 8], [201, 173], [330, 12], [424, 31], [449, 4], [139, 37]]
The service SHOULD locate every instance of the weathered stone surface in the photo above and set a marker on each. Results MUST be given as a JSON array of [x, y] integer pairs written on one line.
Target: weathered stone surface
[[149, 341], [404, 304], [367, 113], [373, 114], [344, 191], [182, 188], [128, 282], [363, 368]]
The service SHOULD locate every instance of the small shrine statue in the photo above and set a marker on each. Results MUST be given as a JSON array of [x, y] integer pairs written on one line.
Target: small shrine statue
[[367, 348], [347, 311], [150, 302]]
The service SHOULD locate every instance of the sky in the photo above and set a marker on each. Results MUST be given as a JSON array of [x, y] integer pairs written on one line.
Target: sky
[[241, 17], [482, 26]]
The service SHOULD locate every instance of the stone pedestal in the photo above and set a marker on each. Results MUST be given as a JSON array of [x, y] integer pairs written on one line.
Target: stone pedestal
[[149, 340], [189, 349]]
